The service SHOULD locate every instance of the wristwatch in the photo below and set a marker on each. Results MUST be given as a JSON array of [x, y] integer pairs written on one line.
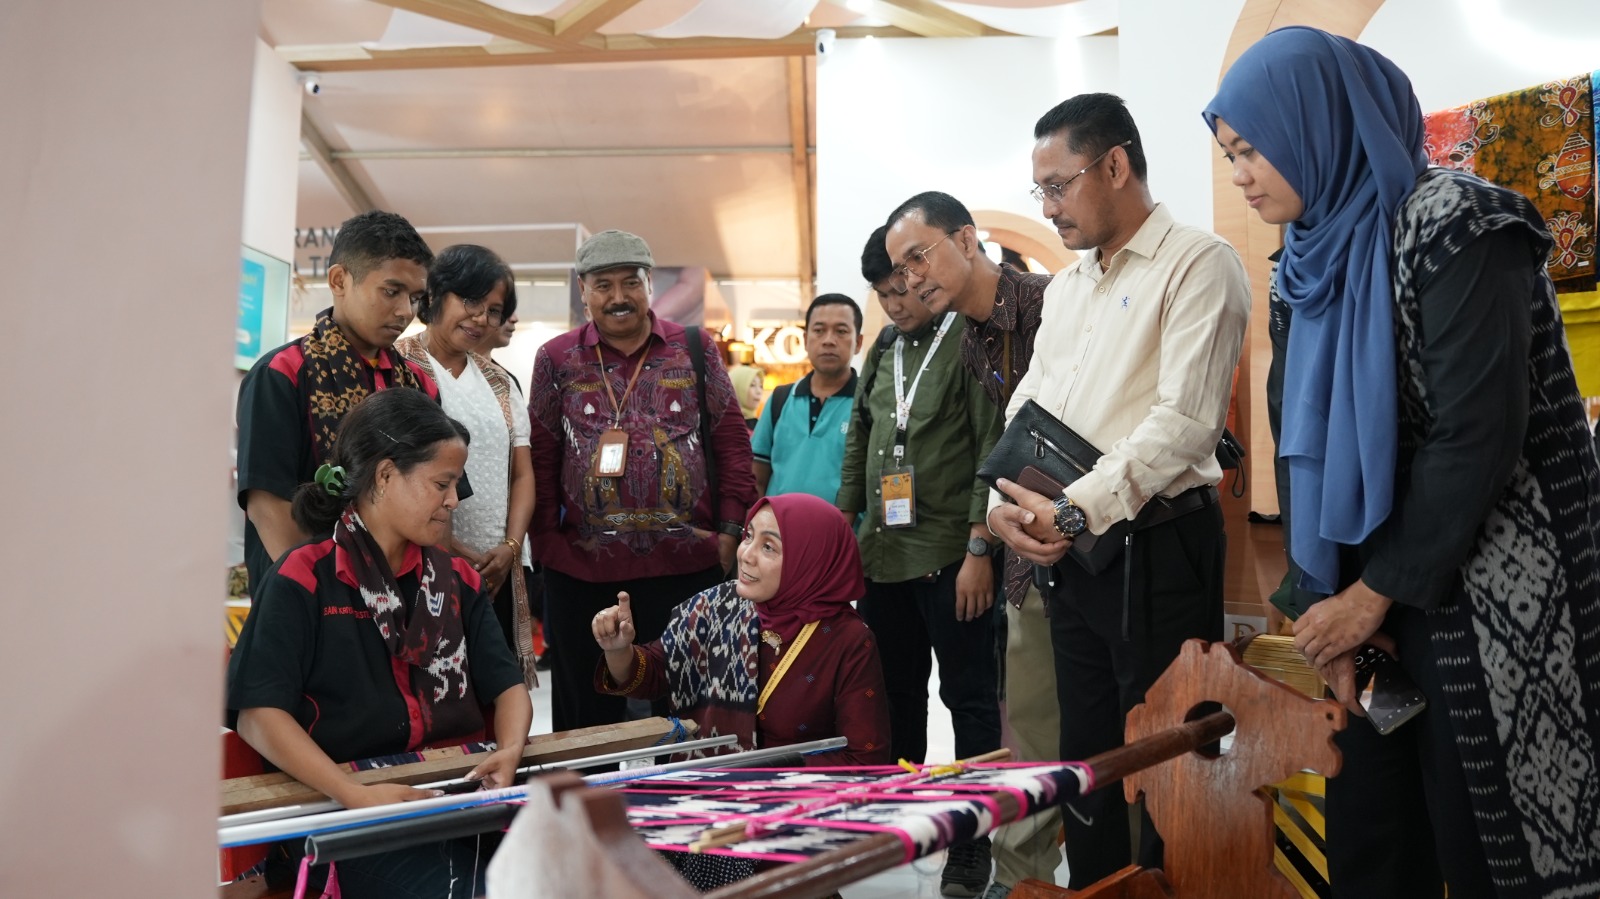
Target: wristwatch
[[977, 546], [733, 529], [1070, 520]]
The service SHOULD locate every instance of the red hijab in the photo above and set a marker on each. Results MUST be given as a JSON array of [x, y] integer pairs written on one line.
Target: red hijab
[[821, 563]]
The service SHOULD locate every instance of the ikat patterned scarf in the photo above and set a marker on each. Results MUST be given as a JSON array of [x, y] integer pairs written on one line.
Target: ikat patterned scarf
[[426, 638], [335, 379]]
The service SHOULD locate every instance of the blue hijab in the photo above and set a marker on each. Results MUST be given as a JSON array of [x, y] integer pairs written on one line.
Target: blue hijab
[[1343, 127]]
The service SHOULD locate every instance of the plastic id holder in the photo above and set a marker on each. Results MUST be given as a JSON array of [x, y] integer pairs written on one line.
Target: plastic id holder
[[898, 489], [610, 455]]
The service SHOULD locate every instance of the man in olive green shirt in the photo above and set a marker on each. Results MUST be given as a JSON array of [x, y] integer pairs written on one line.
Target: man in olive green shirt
[[924, 545]]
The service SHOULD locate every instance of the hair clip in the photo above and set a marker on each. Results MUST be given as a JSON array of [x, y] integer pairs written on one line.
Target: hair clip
[[331, 478]]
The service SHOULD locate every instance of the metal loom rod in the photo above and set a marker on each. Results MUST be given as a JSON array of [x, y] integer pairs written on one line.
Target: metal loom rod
[[255, 826], [387, 836], [344, 819]]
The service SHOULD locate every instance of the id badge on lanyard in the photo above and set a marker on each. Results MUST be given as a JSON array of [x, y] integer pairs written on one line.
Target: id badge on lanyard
[[611, 452], [897, 485]]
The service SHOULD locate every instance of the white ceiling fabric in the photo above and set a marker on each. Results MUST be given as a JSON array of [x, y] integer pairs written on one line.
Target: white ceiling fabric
[[408, 29], [1068, 20], [739, 18]]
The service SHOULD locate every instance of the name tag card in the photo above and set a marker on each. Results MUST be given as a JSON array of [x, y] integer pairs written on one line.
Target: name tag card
[[611, 456], [898, 488]]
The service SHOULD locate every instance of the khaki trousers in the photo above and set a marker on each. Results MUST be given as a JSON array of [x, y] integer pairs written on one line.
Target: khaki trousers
[[1033, 723]]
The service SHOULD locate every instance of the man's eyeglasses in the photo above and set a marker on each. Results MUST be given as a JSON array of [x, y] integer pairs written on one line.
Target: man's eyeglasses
[[917, 260], [1059, 189]]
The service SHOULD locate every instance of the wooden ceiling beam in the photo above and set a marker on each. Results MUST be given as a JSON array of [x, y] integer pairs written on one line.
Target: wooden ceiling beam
[[926, 18], [589, 16], [800, 169], [614, 48], [343, 182], [535, 30]]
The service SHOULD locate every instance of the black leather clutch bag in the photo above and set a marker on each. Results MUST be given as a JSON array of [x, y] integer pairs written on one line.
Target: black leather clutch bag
[[1040, 453]]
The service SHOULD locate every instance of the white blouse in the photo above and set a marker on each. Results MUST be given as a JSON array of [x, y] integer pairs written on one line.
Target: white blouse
[[480, 520]]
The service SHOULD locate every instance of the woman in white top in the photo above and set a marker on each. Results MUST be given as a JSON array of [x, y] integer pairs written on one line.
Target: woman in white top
[[470, 293]]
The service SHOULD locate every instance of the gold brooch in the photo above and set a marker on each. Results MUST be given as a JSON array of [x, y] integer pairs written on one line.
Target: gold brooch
[[772, 639]]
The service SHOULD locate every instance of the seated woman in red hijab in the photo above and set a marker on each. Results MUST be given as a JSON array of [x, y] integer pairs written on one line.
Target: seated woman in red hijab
[[803, 666]]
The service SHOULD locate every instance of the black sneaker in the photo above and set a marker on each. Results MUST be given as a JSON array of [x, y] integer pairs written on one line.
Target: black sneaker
[[966, 869]]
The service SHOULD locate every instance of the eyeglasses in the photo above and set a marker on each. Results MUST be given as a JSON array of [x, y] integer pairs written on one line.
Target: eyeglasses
[[495, 315], [1059, 189], [917, 260]]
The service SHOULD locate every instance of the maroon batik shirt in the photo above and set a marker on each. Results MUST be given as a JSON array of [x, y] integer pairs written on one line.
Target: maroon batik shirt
[[1018, 307], [658, 518]]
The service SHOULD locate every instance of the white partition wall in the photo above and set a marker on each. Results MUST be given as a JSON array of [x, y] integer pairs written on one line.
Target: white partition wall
[[895, 118], [121, 195]]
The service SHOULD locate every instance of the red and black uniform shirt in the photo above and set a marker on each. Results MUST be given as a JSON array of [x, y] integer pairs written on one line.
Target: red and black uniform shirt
[[310, 647], [275, 447]]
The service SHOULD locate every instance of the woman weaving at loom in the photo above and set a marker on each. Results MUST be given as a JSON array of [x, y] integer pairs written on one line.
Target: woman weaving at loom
[[375, 641], [776, 656]]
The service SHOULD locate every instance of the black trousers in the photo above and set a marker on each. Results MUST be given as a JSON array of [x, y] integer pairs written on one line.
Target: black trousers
[[570, 607], [1174, 593], [1400, 820], [915, 621]]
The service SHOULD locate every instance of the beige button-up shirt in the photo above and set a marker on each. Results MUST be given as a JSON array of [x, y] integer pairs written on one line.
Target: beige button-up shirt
[[1139, 360]]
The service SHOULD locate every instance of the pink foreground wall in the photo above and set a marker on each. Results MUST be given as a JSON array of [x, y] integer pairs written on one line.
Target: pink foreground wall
[[122, 146]]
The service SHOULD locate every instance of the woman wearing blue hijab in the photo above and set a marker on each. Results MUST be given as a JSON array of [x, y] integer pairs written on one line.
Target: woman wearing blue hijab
[[1444, 496]]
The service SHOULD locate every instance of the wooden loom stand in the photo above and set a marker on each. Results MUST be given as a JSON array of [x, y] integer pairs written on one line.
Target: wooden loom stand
[[1216, 826], [263, 791]]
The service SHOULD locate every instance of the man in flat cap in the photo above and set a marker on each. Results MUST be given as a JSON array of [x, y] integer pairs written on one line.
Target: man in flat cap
[[633, 494]]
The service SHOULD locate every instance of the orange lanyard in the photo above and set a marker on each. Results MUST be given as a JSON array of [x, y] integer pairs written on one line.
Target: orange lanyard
[[617, 407]]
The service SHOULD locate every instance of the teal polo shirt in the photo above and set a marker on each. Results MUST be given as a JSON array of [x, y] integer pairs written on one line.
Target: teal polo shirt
[[806, 447]]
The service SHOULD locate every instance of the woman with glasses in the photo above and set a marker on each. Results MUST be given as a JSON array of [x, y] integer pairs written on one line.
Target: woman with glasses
[[775, 656], [471, 294]]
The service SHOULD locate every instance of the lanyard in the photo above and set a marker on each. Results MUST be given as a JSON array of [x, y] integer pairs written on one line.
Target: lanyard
[[616, 407], [784, 663], [902, 396]]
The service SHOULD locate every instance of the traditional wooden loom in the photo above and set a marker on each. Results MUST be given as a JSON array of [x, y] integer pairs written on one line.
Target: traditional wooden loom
[[1217, 825], [262, 792]]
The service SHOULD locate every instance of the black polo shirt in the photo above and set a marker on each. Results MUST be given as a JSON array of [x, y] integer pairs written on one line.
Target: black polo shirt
[[275, 453], [310, 648]]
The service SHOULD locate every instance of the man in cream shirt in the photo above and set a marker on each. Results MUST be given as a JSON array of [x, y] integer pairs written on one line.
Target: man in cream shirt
[[1136, 353]]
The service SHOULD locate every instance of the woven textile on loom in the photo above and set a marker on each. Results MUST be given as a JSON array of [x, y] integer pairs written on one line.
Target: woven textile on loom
[[814, 810]]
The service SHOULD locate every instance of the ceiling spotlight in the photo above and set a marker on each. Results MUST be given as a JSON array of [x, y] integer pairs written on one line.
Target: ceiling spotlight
[[310, 82]]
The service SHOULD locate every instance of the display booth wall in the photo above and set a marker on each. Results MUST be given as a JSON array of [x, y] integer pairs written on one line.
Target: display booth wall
[[895, 118], [123, 148]]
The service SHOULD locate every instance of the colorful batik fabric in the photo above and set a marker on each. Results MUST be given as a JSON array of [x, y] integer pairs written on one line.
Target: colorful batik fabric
[[1539, 142]]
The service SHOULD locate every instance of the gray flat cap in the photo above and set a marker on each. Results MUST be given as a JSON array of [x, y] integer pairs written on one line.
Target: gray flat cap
[[610, 249]]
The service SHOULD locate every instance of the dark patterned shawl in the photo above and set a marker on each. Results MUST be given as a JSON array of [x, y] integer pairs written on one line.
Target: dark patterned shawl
[[1517, 647], [335, 379], [713, 655]]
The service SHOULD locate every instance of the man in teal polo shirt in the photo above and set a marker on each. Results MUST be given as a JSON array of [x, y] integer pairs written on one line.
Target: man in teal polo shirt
[[799, 440]]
